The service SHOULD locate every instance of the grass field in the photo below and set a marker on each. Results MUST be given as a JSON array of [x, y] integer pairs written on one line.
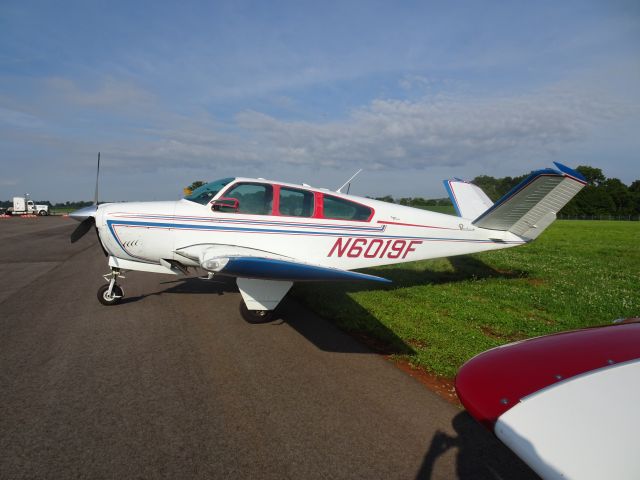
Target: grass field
[[62, 210], [439, 313]]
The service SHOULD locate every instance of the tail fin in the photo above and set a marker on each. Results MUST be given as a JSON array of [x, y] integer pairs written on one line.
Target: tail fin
[[468, 199], [531, 206]]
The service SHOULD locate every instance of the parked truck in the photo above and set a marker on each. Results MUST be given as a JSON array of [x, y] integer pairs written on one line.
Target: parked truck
[[23, 205]]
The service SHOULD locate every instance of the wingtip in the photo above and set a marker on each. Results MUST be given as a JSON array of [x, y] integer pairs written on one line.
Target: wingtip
[[384, 280], [570, 171]]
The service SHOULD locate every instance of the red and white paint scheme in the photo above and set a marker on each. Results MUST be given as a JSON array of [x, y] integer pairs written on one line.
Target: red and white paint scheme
[[567, 404], [269, 234]]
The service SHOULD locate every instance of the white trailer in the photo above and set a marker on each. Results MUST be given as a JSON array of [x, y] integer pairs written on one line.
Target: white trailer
[[23, 205]]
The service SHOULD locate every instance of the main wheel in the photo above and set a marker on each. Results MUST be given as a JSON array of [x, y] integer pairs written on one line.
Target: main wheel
[[42, 213], [255, 316], [116, 295]]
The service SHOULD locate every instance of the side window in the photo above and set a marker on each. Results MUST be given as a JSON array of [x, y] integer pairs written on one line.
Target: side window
[[341, 209], [296, 203], [253, 198]]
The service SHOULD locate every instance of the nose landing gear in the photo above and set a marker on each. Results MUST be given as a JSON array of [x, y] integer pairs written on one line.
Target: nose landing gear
[[111, 294]]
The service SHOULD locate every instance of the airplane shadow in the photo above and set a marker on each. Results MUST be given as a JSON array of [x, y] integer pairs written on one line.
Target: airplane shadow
[[480, 455], [319, 332], [191, 285], [465, 267], [383, 340], [328, 337]]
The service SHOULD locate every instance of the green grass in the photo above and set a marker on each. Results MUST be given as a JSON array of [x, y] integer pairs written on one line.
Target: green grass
[[439, 313]]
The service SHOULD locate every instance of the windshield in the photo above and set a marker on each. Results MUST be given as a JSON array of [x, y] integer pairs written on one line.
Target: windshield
[[205, 193]]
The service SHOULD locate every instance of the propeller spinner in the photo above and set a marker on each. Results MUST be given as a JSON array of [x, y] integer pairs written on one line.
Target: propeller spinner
[[86, 217]]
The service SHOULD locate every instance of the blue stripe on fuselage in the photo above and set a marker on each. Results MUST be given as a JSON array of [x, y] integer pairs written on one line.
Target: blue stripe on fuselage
[[255, 222], [180, 226]]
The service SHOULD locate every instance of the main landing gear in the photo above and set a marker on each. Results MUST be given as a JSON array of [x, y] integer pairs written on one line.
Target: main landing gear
[[255, 316], [261, 297], [111, 294]]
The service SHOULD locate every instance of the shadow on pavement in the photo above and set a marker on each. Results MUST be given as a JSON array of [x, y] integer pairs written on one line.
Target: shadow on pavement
[[372, 333], [316, 331], [306, 323], [480, 454], [190, 285]]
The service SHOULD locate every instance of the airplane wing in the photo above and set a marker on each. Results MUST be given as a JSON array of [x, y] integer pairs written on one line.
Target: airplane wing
[[264, 278], [565, 403], [274, 269], [257, 264]]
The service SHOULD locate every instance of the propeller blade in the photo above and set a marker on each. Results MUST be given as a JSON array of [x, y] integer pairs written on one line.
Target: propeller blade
[[82, 229], [95, 198]]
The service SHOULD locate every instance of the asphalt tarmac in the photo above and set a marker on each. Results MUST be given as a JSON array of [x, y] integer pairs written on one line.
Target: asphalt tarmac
[[173, 383]]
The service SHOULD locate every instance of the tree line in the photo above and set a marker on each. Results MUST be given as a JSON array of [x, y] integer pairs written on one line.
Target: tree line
[[601, 195]]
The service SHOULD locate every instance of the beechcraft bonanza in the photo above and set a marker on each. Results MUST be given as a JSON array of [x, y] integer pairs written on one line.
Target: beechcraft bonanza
[[269, 234]]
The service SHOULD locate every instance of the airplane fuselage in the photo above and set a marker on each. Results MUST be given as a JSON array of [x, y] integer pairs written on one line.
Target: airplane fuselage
[[150, 231]]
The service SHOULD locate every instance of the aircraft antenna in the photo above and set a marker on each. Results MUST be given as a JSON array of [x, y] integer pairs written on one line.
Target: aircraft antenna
[[95, 200], [348, 182]]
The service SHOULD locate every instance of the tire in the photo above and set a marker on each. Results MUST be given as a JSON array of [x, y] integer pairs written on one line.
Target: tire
[[255, 316], [42, 213], [117, 294]]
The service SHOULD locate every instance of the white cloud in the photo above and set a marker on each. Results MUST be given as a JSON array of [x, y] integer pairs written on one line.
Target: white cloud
[[412, 81], [112, 93], [444, 132], [9, 182], [384, 135], [390, 134], [19, 119]]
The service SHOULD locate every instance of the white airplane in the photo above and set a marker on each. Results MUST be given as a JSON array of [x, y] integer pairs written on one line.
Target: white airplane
[[270, 234]]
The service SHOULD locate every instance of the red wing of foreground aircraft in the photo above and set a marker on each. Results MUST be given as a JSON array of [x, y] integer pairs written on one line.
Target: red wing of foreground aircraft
[[567, 404], [269, 234]]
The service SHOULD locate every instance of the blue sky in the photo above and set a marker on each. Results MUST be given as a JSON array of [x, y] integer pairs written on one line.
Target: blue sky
[[412, 92]]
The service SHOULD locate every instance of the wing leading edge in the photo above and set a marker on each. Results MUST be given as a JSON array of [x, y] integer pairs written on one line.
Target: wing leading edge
[[282, 270]]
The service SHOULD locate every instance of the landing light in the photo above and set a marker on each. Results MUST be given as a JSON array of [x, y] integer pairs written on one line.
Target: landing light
[[215, 264]]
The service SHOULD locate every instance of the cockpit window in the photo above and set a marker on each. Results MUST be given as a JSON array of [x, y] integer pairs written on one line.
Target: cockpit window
[[342, 209], [296, 203], [205, 193], [253, 198]]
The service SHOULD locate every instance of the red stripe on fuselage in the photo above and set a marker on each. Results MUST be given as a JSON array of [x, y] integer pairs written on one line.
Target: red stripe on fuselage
[[383, 222]]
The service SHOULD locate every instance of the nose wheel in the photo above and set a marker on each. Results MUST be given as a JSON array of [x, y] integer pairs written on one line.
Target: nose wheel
[[110, 298], [111, 294]]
